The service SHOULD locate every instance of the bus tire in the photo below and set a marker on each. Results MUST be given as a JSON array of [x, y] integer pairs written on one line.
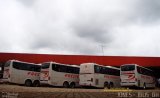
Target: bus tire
[[36, 83], [65, 84], [106, 86], [111, 85], [72, 85], [144, 86], [28, 83]]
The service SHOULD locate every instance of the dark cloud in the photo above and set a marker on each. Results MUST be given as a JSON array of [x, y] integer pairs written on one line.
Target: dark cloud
[[92, 30], [94, 25]]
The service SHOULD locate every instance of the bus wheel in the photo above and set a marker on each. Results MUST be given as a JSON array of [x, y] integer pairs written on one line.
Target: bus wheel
[[144, 86], [106, 86], [36, 83], [72, 85], [28, 83], [111, 85], [65, 84]]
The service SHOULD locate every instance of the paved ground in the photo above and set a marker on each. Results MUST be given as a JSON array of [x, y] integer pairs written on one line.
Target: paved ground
[[16, 91]]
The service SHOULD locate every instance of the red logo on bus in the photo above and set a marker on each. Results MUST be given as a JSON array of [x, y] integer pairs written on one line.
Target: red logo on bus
[[71, 76], [33, 74], [46, 74], [130, 76]]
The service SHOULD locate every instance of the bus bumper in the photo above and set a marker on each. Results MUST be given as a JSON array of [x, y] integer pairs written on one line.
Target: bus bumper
[[4, 80], [86, 84], [128, 84], [42, 82]]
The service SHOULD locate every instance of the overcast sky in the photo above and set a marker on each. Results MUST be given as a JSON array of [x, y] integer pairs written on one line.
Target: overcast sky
[[122, 27]]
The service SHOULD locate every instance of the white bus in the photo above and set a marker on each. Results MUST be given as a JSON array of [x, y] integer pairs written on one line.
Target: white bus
[[19, 72], [138, 76], [94, 75], [57, 74]]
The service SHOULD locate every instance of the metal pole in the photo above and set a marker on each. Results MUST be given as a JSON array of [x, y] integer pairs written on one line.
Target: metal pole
[[102, 49]]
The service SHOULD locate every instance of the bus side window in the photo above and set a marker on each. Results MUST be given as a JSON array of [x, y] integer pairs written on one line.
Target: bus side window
[[76, 70], [37, 68], [69, 69], [16, 65], [63, 68], [32, 68], [101, 70], [104, 70], [55, 67]]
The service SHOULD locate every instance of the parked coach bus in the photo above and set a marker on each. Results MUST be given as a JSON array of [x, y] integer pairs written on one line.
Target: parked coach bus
[[99, 76], [57, 74], [138, 76], [22, 73]]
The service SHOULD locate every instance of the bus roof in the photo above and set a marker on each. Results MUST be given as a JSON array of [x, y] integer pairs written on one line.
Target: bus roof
[[62, 64], [136, 65], [89, 63], [75, 66], [22, 62], [101, 65], [113, 67]]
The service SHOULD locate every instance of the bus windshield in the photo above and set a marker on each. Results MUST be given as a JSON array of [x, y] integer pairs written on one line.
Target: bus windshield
[[97, 69], [45, 65], [128, 68]]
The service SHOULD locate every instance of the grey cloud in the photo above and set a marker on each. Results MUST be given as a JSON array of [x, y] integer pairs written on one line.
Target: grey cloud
[[146, 10], [55, 26], [41, 43], [72, 44], [92, 31], [27, 3], [93, 26]]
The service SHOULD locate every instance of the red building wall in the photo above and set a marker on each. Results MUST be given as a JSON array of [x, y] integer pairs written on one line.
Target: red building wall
[[78, 59]]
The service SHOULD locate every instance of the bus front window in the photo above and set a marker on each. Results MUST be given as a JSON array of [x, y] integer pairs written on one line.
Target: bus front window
[[128, 67], [97, 69]]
